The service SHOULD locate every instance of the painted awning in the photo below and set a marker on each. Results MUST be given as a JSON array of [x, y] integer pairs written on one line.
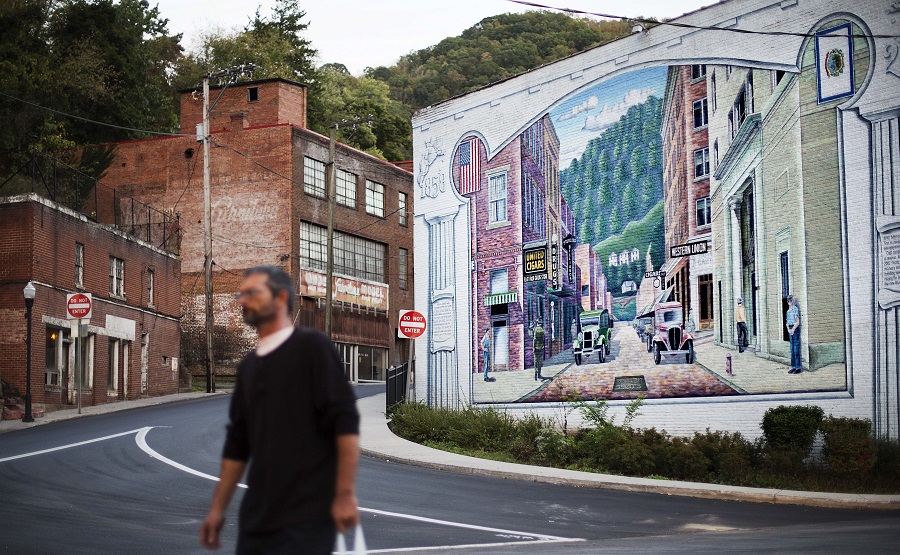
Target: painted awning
[[501, 298]]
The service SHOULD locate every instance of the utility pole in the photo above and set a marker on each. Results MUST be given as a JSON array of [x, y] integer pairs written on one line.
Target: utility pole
[[330, 179], [225, 78]]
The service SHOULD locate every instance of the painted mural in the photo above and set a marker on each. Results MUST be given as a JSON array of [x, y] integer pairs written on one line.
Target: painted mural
[[607, 228]]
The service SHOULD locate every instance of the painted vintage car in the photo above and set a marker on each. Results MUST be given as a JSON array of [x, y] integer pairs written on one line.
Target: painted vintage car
[[595, 334], [669, 335]]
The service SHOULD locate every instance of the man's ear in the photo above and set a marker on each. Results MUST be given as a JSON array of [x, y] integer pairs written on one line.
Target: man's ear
[[282, 296]]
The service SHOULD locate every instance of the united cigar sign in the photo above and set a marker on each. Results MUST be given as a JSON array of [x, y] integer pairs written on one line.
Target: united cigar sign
[[535, 259], [345, 290]]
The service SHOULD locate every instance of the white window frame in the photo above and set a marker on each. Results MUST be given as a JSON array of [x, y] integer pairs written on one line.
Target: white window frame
[[498, 209], [79, 265], [703, 166], [705, 205], [702, 103], [699, 73], [374, 198], [151, 287], [314, 177], [403, 268], [402, 203], [345, 188], [116, 277]]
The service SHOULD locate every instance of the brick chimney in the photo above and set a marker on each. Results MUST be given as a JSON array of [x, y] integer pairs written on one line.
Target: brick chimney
[[246, 104]]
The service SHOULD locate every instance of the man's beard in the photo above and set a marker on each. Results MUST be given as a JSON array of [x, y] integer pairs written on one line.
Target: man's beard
[[256, 318]]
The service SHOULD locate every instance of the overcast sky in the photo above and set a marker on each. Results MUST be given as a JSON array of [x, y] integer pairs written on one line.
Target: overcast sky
[[364, 33]]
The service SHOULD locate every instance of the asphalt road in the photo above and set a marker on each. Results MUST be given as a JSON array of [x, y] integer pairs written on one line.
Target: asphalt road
[[138, 481]]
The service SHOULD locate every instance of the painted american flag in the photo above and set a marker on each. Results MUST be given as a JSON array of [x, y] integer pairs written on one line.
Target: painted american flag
[[469, 167]]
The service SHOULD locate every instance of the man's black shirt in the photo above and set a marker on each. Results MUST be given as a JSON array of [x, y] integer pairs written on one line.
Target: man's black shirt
[[287, 410]]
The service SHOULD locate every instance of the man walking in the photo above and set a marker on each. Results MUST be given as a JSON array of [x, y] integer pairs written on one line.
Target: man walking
[[537, 345], [792, 321], [293, 417], [740, 316], [486, 353]]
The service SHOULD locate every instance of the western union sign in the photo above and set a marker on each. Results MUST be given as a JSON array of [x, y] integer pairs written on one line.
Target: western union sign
[[535, 259]]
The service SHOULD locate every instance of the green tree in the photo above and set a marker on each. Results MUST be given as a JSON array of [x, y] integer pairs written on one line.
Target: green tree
[[615, 220], [629, 202]]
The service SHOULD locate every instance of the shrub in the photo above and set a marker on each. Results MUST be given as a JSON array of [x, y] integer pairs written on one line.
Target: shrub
[[485, 429], [849, 448], [789, 433], [626, 453], [730, 455], [420, 423], [685, 461], [887, 459]]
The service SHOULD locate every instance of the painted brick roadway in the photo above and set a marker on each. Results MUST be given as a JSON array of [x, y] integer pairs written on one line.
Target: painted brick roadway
[[672, 378]]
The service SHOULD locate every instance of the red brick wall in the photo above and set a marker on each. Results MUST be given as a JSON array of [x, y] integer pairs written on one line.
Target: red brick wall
[[45, 237], [278, 102]]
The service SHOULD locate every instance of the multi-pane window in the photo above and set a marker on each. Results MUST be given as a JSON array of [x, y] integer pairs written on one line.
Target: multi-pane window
[[345, 188], [79, 265], [497, 195], [401, 208], [375, 198], [701, 117], [314, 177], [116, 276], [403, 267], [698, 71], [150, 287], [701, 162], [704, 212], [353, 256]]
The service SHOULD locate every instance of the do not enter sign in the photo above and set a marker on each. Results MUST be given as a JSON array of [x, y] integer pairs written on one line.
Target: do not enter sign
[[78, 306], [412, 324]]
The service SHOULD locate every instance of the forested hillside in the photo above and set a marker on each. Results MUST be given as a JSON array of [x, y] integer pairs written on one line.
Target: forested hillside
[[496, 48]]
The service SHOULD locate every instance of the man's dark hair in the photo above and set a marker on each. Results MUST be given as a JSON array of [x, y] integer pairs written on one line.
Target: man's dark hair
[[277, 280]]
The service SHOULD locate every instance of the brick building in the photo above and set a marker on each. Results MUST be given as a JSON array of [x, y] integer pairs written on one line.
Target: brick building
[[133, 345], [594, 292], [686, 171], [268, 189], [522, 245]]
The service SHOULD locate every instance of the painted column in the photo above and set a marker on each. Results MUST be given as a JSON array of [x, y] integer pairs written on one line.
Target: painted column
[[443, 371], [737, 281]]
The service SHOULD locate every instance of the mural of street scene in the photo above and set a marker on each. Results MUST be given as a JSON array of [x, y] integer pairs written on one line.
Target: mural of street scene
[[646, 236]]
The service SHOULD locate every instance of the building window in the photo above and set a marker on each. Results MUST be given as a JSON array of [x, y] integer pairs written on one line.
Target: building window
[[716, 152], [499, 281], [345, 188], [401, 208], [403, 267], [375, 198], [701, 118], [252, 94], [79, 265], [497, 194], [353, 256], [728, 70], [701, 163], [313, 177], [704, 212], [712, 91], [698, 71], [116, 277], [777, 76], [150, 287]]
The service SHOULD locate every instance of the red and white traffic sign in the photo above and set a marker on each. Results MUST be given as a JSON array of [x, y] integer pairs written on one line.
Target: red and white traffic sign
[[412, 324], [78, 306]]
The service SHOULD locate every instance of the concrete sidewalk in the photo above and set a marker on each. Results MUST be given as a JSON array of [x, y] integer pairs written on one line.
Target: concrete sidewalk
[[378, 441]]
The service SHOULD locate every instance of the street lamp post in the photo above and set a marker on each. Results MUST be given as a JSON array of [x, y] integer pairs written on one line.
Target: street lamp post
[[29, 302]]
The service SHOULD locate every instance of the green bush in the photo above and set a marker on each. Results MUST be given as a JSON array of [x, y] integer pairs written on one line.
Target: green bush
[[420, 423], [789, 432], [730, 455], [486, 429], [887, 459], [849, 448]]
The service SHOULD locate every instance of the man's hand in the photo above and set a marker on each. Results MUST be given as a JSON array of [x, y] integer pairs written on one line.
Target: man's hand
[[345, 512], [210, 529]]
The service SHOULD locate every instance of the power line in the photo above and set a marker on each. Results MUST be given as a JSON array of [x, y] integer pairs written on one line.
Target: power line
[[689, 26], [104, 124]]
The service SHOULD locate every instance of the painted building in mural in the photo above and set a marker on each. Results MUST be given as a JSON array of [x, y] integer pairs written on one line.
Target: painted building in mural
[[686, 170], [698, 165]]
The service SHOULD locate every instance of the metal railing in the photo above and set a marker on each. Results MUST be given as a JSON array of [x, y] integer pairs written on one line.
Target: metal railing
[[69, 186]]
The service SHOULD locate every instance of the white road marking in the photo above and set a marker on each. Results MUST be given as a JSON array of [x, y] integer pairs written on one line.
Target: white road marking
[[141, 440], [69, 446]]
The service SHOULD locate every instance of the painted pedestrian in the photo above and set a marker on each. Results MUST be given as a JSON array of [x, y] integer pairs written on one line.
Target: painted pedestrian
[[537, 344], [792, 321], [740, 316], [486, 344]]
